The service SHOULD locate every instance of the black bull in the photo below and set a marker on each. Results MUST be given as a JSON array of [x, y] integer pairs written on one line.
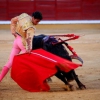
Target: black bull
[[46, 43]]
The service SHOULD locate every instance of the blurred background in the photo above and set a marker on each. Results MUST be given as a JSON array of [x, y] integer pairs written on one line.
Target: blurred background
[[52, 9]]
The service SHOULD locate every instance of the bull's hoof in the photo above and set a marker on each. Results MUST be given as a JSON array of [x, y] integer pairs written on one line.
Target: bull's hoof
[[73, 88], [69, 88], [49, 80], [66, 88], [82, 87]]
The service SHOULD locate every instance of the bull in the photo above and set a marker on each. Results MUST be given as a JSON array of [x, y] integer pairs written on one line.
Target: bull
[[52, 45]]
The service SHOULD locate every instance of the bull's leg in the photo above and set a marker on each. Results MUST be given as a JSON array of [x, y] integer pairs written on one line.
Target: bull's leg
[[70, 76], [67, 87], [80, 85]]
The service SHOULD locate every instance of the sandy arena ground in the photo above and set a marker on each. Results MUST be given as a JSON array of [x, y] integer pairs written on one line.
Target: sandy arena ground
[[87, 47]]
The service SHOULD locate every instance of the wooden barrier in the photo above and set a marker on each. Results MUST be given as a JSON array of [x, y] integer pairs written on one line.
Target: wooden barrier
[[52, 9]]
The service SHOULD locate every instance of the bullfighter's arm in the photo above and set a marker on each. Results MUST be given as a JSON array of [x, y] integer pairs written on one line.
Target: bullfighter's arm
[[30, 34], [13, 25]]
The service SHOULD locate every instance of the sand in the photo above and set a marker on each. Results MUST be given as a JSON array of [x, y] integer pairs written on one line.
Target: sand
[[87, 47]]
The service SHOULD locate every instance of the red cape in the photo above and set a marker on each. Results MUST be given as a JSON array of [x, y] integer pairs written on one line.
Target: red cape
[[30, 70]]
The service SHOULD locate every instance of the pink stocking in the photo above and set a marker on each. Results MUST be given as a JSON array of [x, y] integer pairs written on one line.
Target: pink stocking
[[17, 47], [4, 72]]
